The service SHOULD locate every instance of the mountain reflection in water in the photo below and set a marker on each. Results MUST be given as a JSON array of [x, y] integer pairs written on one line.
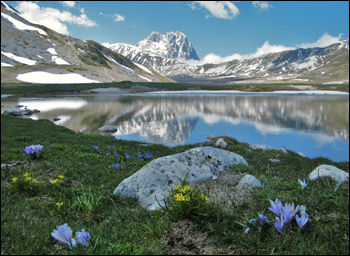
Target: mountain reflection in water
[[300, 123]]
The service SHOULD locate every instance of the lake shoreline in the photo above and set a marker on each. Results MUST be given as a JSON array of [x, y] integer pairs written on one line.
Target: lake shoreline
[[127, 87]]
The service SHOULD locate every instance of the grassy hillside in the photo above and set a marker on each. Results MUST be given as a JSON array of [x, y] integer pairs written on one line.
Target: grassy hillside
[[72, 182]]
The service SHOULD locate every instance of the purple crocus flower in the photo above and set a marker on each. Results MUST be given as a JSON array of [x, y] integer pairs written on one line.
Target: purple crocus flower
[[63, 234], [82, 237], [301, 221], [38, 148], [247, 230], [252, 221], [95, 147], [116, 165], [302, 183], [276, 207], [116, 154], [127, 156], [148, 155], [33, 150], [108, 154], [29, 150], [289, 212], [302, 210], [279, 224], [262, 219]]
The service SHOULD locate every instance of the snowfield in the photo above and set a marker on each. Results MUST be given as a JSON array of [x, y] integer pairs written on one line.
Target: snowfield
[[19, 59], [21, 26], [42, 77]]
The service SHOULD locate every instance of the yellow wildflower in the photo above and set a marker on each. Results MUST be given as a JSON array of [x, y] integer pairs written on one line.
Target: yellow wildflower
[[28, 178], [205, 197], [35, 180], [25, 174], [53, 181], [179, 197], [14, 179], [60, 176], [177, 186], [59, 204], [185, 188]]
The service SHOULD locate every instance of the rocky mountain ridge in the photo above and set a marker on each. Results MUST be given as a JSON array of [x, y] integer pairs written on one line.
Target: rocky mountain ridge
[[35, 53], [314, 65]]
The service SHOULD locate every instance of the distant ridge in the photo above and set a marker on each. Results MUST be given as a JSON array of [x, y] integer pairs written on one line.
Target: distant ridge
[[313, 65], [34, 53]]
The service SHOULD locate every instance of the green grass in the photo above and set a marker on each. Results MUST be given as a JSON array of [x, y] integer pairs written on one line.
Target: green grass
[[30, 213]]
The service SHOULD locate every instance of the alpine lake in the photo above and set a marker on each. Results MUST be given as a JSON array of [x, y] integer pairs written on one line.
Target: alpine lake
[[313, 125]]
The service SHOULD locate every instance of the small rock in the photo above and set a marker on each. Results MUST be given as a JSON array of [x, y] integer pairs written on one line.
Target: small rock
[[108, 128], [211, 137], [274, 160], [248, 182], [36, 111], [266, 147], [214, 178], [221, 143], [331, 171], [18, 112], [55, 119]]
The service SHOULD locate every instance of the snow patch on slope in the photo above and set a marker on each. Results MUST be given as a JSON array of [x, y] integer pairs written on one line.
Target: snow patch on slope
[[19, 59], [42, 77], [21, 26]]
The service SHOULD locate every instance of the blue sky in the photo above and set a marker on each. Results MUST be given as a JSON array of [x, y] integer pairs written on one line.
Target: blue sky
[[217, 30]]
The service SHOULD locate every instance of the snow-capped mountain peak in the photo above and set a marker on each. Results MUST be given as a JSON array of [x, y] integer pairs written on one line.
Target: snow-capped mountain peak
[[171, 45]]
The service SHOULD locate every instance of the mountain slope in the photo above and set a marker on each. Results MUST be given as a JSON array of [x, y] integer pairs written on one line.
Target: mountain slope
[[27, 49], [172, 45], [315, 65]]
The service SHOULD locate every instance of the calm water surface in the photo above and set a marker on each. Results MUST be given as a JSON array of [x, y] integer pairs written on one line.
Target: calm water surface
[[311, 124]]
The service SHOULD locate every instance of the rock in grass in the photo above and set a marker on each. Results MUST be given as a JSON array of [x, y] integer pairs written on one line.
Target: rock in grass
[[18, 112], [266, 147], [221, 143], [331, 171], [162, 174], [108, 128], [211, 137], [248, 182]]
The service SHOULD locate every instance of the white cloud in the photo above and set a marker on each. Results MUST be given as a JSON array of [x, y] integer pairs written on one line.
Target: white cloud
[[68, 3], [52, 18], [118, 17], [262, 5], [266, 48], [219, 9], [323, 41]]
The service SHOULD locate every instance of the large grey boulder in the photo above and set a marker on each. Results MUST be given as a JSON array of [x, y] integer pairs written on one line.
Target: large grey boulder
[[160, 175], [331, 171]]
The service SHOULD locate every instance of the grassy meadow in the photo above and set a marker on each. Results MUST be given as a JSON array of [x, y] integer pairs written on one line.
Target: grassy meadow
[[73, 179]]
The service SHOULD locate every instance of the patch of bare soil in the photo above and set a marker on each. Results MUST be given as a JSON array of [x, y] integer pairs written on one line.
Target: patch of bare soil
[[186, 238]]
